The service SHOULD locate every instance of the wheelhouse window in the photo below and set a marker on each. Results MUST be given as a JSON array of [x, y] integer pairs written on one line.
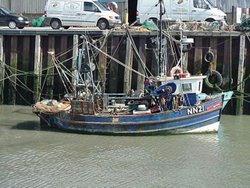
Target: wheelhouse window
[[187, 87], [199, 88], [88, 6]]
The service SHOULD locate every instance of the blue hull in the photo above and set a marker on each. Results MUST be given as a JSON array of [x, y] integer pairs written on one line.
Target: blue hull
[[201, 118]]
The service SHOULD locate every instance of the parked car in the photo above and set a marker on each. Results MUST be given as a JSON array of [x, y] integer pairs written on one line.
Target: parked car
[[12, 20]]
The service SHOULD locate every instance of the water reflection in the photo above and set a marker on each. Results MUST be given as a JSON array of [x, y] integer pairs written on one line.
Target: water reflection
[[27, 125]]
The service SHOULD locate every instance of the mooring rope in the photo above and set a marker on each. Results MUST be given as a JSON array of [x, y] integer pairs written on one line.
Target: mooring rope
[[240, 97]]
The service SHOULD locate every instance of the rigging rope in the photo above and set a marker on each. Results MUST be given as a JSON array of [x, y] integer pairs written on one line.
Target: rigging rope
[[117, 61], [142, 64]]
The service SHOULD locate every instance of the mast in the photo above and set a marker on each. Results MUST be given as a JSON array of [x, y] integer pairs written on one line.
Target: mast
[[160, 42]]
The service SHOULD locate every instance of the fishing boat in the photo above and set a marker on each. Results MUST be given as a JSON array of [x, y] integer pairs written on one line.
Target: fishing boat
[[169, 104]]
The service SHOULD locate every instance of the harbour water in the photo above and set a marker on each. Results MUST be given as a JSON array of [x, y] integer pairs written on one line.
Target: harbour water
[[30, 157]]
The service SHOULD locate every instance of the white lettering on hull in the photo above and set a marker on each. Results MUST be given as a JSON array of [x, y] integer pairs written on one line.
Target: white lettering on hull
[[195, 110]]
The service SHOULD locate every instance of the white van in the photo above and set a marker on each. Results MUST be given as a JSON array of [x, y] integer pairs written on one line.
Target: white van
[[66, 13], [184, 10]]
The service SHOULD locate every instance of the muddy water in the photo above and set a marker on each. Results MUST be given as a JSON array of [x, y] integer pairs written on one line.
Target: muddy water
[[30, 157]]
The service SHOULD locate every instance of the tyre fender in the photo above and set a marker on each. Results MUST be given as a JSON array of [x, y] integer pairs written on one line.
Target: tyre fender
[[213, 79], [209, 57]]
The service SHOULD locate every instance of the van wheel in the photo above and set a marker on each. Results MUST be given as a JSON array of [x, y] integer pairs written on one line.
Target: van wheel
[[154, 20], [103, 24], [55, 24], [66, 27], [210, 20], [20, 27], [12, 25]]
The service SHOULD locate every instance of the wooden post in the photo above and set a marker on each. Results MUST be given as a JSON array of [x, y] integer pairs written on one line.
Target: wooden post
[[13, 64], [63, 47], [75, 51], [2, 70], [213, 45], [185, 62], [113, 74], [103, 67], [154, 61], [240, 84], [129, 63], [26, 53], [25, 64], [142, 53], [37, 68], [227, 63], [75, 54], [50, 73], [197, 56]]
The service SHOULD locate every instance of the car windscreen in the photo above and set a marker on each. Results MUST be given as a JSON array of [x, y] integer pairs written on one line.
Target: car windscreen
[[4, 10], [101, 6]]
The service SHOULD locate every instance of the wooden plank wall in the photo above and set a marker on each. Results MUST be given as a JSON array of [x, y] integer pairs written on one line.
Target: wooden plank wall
[[32, 55]]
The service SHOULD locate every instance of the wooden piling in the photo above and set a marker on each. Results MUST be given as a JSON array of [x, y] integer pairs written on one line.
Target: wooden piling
[[142, 64], [13, 72], [213, 45], [227, 63], [2, 69], [197, 56], [25, 58], [152, 60], [129, 63], [65, 54], [185, 62], [63, 47], [50, 68], [113, 68], [102, 64], [240, 83], [37, 68]]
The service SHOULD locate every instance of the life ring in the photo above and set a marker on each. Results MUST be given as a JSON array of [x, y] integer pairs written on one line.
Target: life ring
[[209, 57], [184, 75], [176, 70], [213, 79]]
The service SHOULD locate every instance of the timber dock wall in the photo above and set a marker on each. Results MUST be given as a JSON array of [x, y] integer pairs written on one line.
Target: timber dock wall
[[27, 51]]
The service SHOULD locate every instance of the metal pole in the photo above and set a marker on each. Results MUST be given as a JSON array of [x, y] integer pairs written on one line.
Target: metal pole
[[160, 42]]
